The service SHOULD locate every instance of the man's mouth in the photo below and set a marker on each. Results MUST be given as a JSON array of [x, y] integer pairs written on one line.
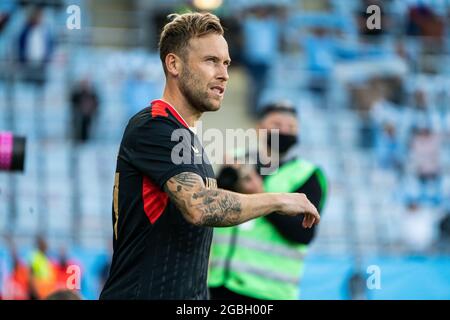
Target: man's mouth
[[218, 90]]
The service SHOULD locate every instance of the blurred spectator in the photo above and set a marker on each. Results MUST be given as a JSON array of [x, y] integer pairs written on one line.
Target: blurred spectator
[[361, 96], [402, 51], [85, 102], [442, 103], [17, 283], [382, 108], [61, 268], [385, 119], [4, 18], [367, 138], [388, 149], [320, 50], [262, 40], [42, 271], [357, 285], [425, 163], [423, 112], [423, 21], [35, 47], [418, 228]]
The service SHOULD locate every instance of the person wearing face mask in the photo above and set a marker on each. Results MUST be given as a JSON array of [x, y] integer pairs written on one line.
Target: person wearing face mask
[[263, 258], [294, 173]]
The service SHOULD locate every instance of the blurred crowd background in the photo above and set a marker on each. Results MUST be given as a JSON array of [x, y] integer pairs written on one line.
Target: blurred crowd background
[[373, 105]]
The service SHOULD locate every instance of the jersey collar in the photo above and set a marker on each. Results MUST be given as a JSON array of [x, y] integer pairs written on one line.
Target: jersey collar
[[172, 110]]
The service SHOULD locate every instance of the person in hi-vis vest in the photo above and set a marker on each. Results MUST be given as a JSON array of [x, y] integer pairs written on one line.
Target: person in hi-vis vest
[[263, 258]]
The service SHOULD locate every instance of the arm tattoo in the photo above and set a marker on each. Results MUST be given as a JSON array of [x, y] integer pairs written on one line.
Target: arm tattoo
[[186, 179], [217, 208]]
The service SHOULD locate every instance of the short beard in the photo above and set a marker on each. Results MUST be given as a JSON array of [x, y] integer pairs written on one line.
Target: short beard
[[193, 94]]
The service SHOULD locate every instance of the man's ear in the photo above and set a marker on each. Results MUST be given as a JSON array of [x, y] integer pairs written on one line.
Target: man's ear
[[173, 64]]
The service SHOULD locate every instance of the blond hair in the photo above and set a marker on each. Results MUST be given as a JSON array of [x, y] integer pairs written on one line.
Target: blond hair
[[176, 34]]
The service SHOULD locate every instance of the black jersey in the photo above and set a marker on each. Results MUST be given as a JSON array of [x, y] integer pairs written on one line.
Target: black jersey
[[157, 253]]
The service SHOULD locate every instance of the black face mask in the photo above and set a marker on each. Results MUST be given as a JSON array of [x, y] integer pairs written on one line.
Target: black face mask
[[285, 142]]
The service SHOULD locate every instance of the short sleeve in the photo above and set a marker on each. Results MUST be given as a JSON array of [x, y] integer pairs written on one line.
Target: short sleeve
[[155, 151]]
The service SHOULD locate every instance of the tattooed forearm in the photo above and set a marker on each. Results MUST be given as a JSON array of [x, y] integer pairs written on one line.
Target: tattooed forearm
[[218, 208], [203, 206]]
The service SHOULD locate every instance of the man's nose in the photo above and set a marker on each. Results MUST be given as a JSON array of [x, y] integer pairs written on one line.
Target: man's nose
[[223, 73]]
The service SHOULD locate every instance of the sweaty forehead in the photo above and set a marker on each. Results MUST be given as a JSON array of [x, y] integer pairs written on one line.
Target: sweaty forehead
[[209, 45]]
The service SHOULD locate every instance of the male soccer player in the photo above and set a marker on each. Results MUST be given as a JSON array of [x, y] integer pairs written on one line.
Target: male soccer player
[[164, 209]]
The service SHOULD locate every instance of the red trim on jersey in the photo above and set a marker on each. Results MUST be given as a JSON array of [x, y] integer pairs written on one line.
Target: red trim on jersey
[[159, 110], [162, 106], [155, 200]]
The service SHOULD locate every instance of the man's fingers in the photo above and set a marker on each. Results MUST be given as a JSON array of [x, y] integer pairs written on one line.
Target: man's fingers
[[308, 221], [316, 214], [311, 215], [304, 224], [313, 221], [305, 221]]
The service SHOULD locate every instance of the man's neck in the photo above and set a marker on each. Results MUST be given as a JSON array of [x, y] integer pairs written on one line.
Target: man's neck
[[176, 99]]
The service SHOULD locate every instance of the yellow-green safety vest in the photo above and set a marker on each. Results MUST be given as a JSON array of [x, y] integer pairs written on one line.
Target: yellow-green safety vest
[[253, 258]]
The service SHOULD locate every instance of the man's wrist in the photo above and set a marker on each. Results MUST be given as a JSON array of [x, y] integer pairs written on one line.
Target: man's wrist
[[277, 201]]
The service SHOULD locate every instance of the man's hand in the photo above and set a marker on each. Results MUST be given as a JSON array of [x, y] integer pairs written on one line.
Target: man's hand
[[297, 203]]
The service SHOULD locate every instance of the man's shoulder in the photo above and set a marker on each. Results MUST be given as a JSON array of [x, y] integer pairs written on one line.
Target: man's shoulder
[[147, 118]]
